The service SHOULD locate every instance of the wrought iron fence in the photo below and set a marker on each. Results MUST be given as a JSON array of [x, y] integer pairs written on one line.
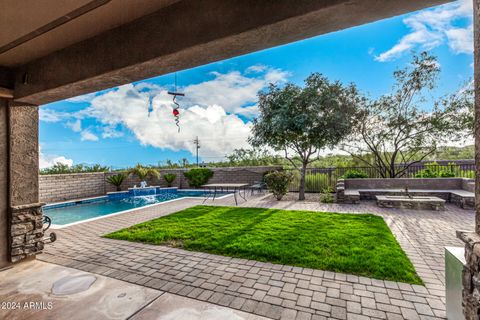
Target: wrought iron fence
[[318, 179]]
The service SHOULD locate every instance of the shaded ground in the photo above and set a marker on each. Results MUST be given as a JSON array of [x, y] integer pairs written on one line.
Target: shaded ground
[[40, 290]]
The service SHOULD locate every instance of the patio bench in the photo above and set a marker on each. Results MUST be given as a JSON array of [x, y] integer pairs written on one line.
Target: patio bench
[[462, 198]]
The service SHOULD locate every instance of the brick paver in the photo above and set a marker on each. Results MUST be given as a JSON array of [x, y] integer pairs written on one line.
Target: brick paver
[[275, 291]]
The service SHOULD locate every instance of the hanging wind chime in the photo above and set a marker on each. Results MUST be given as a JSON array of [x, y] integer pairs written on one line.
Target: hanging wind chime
[[175, 111]]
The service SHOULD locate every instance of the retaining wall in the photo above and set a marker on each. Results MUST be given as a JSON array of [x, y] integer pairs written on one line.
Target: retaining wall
[[411, 183]]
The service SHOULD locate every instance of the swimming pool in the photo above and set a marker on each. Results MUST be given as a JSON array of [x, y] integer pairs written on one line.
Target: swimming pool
[[73, 212]]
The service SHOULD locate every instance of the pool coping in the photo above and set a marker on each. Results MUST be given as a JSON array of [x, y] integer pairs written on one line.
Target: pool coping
[[61, 226]]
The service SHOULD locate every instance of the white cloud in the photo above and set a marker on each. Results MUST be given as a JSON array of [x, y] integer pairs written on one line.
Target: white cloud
[[76, 126], [50, 115], [48, 160], [83, 98], [209, 110], [219, 132], [256, 68], [87, 135], [432, 27], [111, 132], [232, 90]]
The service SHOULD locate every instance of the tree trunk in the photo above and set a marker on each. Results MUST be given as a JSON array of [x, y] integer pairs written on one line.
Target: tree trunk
[[301, 190]]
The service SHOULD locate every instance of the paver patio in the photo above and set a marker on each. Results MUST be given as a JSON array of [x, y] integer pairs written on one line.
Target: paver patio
[[274, 291]]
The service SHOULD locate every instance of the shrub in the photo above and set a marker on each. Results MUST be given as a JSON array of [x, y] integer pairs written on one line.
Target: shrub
[[354, 174], [198, 176], [61, 168], [169, 178], [277, 182], [116, 180], [434, 170], [326, 195]]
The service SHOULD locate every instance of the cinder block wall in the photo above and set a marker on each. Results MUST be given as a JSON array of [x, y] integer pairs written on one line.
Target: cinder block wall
[[62, 187], [220, 175]]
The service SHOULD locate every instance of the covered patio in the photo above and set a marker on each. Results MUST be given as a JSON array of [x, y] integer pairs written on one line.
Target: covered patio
[[50, 52], [272, 290]]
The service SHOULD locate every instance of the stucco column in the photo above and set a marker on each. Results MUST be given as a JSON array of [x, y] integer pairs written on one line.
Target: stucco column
[[25, 238], [4, 204], [471, 271]]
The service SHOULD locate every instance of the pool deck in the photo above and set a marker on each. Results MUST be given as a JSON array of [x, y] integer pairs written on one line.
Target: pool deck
[[265, 289]]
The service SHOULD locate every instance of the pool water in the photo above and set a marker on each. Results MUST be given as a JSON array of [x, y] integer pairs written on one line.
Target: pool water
[[74, 212]]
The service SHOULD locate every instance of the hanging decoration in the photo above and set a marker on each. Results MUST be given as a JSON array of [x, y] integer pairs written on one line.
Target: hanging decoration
[[176, 112], [150, 106]]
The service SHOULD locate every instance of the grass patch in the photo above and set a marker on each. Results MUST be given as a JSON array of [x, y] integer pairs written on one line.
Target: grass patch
[[360, 244]]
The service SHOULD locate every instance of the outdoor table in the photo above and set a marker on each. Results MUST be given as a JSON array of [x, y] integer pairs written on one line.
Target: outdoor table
[[215, 187]]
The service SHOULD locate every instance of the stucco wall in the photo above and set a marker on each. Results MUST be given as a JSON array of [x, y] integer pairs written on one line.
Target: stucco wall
[[3, 185], [61, 187]]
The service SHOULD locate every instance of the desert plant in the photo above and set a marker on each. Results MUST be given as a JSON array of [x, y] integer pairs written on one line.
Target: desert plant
[[116, 180], [198, 176], [326, 195], [301, 121], [354, 174], [143, 172], [277, 182], [397, 128], [169, 178]]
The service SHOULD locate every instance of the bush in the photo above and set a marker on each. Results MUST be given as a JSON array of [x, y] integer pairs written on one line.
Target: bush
[[434, 170], [198, 176], [277, 182], [354, 174], [116, 180], [61, 168], [326, 196], [169, 178]]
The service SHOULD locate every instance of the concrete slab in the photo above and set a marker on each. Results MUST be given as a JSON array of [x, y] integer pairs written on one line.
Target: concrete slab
[[173, 307], [39, 290]]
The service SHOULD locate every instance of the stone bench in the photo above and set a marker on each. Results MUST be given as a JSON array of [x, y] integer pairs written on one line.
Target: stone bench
[[462, 198]]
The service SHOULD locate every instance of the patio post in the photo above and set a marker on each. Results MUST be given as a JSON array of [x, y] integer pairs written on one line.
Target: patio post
[[471, 271], [25, 219]]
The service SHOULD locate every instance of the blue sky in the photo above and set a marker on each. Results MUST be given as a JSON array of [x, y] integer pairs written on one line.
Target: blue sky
[[134, 123]]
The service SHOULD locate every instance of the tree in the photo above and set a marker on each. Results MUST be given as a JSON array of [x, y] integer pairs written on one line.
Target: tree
[[143, 172], [253, 157], [305, 120], [397, 129]]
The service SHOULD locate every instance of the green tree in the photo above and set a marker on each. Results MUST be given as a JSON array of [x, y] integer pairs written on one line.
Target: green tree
[[396, 128], [304, 120]]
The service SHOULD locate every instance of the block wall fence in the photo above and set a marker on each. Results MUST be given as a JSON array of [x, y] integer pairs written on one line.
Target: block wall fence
[[63, 187]]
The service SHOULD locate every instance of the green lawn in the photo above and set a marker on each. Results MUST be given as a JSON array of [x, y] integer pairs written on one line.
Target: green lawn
[[359, 244]]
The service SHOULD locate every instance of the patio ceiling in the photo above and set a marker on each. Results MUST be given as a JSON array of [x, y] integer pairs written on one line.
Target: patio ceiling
[[55, 49]]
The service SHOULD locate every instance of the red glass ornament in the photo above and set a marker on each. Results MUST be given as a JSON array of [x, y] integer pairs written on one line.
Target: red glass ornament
[[175, 112]]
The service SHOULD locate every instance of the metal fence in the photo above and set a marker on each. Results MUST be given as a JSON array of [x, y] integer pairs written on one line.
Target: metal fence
[[318, 179]]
